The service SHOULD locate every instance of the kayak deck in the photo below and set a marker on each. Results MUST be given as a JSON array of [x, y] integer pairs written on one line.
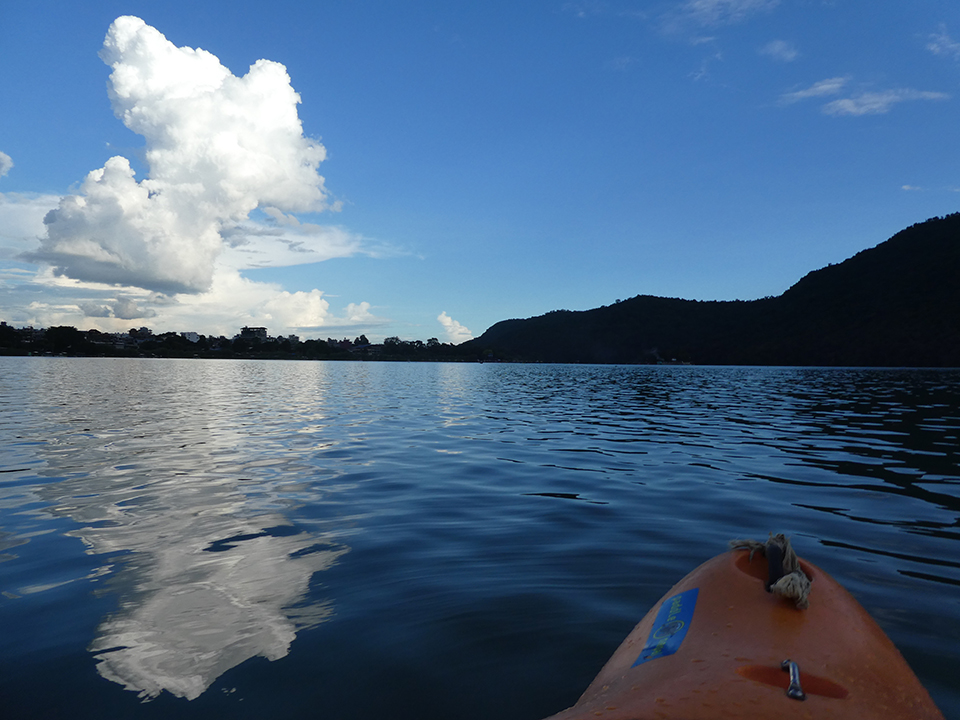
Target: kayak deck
[[715, 645]]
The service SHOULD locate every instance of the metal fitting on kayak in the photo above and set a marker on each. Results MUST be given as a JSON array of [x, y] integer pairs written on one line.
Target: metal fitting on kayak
[[794, 690]]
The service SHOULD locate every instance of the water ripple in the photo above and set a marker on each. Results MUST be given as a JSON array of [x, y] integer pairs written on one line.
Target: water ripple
[[437, 526]]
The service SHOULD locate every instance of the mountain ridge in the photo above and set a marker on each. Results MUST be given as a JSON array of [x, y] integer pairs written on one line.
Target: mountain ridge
[[895, 304]]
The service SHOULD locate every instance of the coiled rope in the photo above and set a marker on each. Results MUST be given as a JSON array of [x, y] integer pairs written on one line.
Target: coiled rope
[[786, 579]]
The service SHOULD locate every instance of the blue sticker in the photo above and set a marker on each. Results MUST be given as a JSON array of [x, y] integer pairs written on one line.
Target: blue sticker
[[670, 626]]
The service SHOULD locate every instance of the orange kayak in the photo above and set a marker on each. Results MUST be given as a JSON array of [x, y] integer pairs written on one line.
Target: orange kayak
[[718, 645]]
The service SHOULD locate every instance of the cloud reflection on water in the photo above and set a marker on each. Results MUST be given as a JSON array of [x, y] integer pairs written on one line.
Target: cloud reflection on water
[[195, 613], [187, 511]]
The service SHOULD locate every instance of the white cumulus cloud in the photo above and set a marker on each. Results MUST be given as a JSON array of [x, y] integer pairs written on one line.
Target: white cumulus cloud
[[456, 333], [228, 166], [217, 147], [6, 163]]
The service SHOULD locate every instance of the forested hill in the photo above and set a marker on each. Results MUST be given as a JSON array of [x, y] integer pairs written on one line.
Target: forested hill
[[897, 304]]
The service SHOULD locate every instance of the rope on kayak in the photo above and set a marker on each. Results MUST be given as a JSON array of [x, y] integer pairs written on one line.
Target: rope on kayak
[[787, 578]]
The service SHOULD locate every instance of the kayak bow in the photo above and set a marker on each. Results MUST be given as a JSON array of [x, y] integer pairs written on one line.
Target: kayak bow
[[718, 645]]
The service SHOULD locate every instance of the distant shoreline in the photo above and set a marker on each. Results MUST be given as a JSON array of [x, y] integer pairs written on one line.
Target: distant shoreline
[[896, 305]]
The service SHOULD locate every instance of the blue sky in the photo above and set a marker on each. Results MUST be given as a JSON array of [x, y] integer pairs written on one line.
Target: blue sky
[[450, 165]]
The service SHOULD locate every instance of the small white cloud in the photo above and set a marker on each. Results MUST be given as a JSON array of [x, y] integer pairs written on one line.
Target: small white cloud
[[256, 245], [621, 64], [703, 72], [593, 8], [6, 163], [94, 310], [862, 103], [780, 50], [940, 43], [877, 103], [910, 188], [586, 8], [723, 12], [281, 218], [830, 86], [122, 308], [456, 333], [126, 308]]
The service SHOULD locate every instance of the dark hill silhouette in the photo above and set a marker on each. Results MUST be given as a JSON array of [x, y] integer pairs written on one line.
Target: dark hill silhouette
[[897, 304]]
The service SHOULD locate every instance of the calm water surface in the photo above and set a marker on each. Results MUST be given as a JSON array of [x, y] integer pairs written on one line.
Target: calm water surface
[[207, 539]]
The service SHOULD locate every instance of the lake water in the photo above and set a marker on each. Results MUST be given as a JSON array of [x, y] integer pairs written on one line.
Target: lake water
[[255, 539]]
